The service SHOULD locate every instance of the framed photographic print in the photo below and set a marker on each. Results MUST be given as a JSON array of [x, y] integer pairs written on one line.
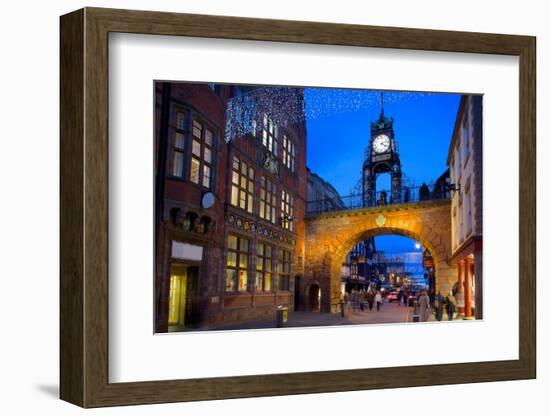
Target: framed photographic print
[[243, 199]]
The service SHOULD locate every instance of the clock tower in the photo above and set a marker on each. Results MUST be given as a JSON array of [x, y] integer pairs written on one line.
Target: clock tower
[[381, 156]]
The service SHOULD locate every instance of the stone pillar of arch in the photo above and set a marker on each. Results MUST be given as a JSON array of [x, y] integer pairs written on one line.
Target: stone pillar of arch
[[445, 277], [319, 270]]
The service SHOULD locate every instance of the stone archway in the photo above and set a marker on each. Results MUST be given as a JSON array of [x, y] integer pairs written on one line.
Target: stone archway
[[330, 236]]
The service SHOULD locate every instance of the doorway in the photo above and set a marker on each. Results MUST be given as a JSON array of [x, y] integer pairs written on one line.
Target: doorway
[[314, 298], [297, 285], [182, 309]]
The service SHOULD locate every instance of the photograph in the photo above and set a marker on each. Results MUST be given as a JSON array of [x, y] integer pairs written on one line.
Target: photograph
[[292, 206], [275, 208]]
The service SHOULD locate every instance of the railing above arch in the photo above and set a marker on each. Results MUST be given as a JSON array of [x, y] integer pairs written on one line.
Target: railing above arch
[[382, 198]]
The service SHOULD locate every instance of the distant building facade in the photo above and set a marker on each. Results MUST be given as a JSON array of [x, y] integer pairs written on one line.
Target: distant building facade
[[362, 266], [400, 269], [465, 165], [321, 195], [441, 186], [354, 276], [230, 203]]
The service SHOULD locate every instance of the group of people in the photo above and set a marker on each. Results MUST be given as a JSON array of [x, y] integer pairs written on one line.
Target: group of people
[[364, 299], [372, 297], [438, 302]]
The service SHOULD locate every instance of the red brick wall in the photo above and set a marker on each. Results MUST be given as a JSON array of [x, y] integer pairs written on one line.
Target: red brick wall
[[216, 305]]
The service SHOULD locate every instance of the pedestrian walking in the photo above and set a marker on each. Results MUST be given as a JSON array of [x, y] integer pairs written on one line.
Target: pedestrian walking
[[405, 297], [370, 299], [378, 300], [451, 305], [424, 303], [438, 306]]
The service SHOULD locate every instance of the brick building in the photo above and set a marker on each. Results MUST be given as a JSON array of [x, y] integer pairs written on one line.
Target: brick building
[[230, 200]]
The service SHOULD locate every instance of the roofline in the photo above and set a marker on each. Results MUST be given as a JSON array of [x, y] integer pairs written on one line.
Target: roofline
[[458, 119], [324, 181]]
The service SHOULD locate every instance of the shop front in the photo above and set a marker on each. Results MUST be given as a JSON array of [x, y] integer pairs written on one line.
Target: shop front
[[185, 268], [468, 260]]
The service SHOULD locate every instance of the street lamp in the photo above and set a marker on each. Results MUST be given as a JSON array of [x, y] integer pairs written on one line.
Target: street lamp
[[417, 245]]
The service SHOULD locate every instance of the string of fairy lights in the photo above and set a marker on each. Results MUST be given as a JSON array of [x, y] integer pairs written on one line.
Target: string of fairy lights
[[282, 106], [267, 107]]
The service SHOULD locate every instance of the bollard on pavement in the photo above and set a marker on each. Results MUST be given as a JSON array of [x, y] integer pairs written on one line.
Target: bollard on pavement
[[342, 306], [281, 316]]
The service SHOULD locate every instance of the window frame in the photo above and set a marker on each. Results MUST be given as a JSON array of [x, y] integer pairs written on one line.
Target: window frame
[[268, 199], [261, 269], [179, 129], [468, 208], [269, 137], [465, 138], [287, 209], [200, 157], [282, 275], [238, 251], [459, 161], [240, 189], [289, 153]]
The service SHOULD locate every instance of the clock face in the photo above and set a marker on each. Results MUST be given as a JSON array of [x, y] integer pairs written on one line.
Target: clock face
[[381, 144]]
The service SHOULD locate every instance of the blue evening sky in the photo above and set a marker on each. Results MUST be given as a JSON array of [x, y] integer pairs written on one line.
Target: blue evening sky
[[423, 126], [395, 244]]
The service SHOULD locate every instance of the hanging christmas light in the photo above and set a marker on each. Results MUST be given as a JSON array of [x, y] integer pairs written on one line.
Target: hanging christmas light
[[287, 105]]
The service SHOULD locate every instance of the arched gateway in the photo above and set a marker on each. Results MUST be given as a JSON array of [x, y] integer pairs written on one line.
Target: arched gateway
[[331, 235]]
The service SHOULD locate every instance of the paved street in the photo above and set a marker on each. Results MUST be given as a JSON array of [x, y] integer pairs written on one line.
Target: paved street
[[389, 313]]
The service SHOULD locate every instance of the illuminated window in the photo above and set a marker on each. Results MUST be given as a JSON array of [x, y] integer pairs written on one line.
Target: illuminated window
[[287, 210], [202, 151], [237, 264], [242, 185], [268, 192], [269, 134], [264, 267], [289, 153], [283, 278], [179, 145]]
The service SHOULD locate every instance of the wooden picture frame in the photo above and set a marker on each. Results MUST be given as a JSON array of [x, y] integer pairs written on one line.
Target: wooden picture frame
[[84, 207]]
